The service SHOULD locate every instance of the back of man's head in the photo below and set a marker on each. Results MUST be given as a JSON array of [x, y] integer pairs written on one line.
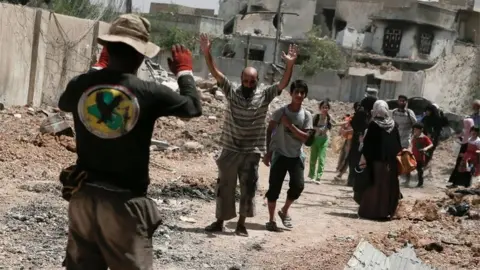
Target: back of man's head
[[126, 54]]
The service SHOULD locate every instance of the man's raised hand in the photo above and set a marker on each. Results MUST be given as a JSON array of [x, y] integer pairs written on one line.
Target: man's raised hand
[[205, 43], [292, 55]]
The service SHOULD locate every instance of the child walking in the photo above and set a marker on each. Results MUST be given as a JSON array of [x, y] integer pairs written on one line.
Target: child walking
[[322, 123], [420, 145], [470, 161], [346, 131], [285, 153]]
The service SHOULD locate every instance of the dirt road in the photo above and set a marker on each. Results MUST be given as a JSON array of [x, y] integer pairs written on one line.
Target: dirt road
[[33, 218], [323, 214], [34, 225]]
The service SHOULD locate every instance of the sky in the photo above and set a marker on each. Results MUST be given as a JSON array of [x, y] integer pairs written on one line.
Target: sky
[[144, 5]]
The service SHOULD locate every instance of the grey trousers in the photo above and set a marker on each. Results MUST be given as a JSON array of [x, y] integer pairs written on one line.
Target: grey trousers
[[110, 229], [233, 165]]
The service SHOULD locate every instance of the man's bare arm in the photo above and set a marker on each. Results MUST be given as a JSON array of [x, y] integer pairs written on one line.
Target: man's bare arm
[[287, 76], [289, 59], [205, 46]]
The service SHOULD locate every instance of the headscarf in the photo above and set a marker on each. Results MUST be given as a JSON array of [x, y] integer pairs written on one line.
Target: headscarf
[[467, 126], [433, 109], [476, 103], [381, 116]]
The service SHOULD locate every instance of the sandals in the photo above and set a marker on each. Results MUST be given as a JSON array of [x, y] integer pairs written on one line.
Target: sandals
[[215, 227], [272, 227], [286, 220]]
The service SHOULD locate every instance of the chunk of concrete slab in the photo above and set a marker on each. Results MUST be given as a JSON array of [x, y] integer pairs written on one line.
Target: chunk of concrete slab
[[367, 256]]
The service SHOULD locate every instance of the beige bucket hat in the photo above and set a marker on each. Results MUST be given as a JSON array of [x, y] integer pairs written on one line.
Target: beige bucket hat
[[132, 30]]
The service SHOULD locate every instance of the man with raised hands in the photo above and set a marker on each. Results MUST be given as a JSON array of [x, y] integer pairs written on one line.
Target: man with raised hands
[[111, 220], [243, 137]]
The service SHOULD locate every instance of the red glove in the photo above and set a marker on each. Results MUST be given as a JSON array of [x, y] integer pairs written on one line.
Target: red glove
[[103, 60], [181, 59]]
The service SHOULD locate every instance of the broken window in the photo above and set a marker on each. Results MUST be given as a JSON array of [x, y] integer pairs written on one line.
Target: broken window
[[391, 41], [255, 54], [425, 43]]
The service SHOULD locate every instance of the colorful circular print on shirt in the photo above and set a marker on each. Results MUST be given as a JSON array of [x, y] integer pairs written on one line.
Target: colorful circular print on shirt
[[108, 111]]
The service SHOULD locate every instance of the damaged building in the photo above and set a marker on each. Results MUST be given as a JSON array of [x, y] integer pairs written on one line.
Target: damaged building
[[411, 47], [257, 16], [195, 20], [417, 31]]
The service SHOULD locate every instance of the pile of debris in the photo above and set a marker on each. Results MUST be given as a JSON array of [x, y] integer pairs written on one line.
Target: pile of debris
[[444, 231], [462, 203]]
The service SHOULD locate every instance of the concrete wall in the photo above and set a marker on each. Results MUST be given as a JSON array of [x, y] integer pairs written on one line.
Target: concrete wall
[[238, 44], [164, 7], [192, 23], [353, 39], [453, 82], [442, 41], [41, 54], [476, 5], [68, 54], [469, 26], [329, 4], [412, 84], [256, 42], [211, 26], [421, 14], [229, 8], [262, 22], [16, 34], [294, 26], [357, 13]]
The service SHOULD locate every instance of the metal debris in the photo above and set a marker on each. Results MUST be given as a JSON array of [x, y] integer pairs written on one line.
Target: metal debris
[[161, 145], [367, 256], [56, 125]]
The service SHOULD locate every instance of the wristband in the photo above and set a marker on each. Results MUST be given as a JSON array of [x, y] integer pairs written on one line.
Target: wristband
[[184, 72]]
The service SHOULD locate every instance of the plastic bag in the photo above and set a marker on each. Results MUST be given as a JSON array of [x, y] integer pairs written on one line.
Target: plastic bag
[[337, 143]]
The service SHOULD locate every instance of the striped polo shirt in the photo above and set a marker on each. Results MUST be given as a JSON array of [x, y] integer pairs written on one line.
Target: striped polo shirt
[[244, 127]]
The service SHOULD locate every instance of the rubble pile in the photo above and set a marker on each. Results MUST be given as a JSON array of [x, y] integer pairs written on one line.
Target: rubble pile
[[441, 243], [444, 231], [36, 143]]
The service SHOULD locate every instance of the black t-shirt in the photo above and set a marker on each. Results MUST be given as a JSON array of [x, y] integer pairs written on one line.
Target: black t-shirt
[[114, 115]]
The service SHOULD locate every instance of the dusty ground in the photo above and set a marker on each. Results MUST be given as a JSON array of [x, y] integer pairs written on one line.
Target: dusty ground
[[33, 221]]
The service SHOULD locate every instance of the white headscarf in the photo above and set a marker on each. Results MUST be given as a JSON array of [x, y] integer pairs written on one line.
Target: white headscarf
[[381, 116], [467, 127]]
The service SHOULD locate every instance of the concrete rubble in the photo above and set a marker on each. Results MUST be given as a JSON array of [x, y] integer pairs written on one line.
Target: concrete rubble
[[367, 256]]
